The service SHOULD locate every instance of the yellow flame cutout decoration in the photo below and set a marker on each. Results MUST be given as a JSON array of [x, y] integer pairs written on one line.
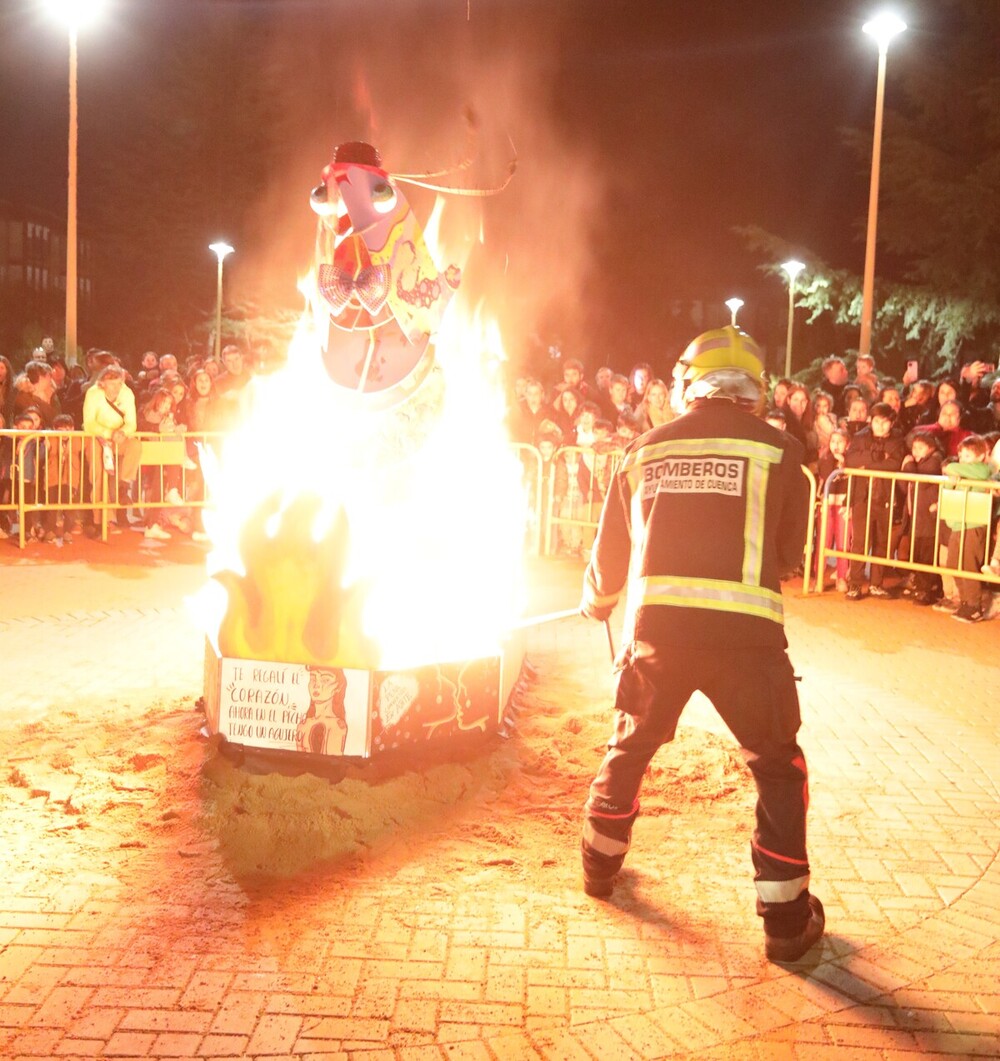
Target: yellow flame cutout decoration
[[291, 605]]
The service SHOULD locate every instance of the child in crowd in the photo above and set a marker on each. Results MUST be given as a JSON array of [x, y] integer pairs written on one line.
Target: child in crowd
[[604, 431], [576, 497], [865, 377], [848, 395], [539, 474], [628, 429], [64, 478], [161, 483], [564, 410], [28, 468], [967, 516], [922, 505], [857, 417], [586, 418], [824, 421], [549, 440], [891, 395], [875, 520], [837, 514]]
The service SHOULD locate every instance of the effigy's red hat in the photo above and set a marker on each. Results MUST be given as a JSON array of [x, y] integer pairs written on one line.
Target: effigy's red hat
[[358, 152]]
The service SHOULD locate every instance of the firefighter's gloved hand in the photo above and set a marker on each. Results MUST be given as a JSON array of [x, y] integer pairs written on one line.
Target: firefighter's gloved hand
[[595, 611]]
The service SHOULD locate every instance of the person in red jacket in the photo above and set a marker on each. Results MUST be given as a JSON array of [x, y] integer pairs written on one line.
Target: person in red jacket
[[947, 430], [702, 519]]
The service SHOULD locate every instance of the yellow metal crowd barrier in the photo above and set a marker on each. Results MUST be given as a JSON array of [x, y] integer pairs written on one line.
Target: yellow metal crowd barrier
[[54, 479], [577, 481], [959, 500], [50, 479]]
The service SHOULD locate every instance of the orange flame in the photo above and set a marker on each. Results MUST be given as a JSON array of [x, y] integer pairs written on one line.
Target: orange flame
[[430, 490]]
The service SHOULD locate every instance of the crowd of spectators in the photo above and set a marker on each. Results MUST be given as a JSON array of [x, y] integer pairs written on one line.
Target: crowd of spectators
[[919, 427], [110, 405], [949, 426], [577, 427]]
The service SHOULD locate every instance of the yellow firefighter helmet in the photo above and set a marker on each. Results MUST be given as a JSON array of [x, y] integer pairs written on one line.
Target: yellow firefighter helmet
[[723, 363]]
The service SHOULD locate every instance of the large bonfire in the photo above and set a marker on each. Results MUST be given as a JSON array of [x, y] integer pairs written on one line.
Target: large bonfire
[[369, 511]]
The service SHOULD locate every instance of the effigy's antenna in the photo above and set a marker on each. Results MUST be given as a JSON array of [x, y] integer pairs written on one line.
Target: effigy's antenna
[[423, 180], [418, 181]]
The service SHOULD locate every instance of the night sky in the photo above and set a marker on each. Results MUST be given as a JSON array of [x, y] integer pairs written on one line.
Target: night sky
[[644, 131]]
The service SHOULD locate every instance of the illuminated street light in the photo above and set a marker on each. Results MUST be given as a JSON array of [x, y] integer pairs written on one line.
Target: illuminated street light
[[221, 250], [792, 269], [734, 305], [883, 28], [73, 14]]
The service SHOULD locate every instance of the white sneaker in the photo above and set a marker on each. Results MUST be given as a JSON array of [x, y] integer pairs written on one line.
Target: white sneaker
[[174, 497], [154, 530]]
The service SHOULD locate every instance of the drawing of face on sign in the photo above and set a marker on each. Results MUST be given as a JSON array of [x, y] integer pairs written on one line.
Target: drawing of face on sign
[[323, 729], [455, 701]]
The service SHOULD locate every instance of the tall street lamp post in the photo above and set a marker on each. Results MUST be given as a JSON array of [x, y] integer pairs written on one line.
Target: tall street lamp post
[[792, 268], [734, 305], [221, 250], [883, 28], [73, 14]]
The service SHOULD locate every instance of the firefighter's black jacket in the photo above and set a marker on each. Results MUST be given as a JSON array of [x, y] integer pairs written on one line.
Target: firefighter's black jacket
[[703, 517]]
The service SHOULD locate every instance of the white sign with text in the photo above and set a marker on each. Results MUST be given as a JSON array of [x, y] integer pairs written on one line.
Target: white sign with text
[[283, 705]]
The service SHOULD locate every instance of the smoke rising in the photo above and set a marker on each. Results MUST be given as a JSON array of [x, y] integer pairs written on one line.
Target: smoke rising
[[403, 80]]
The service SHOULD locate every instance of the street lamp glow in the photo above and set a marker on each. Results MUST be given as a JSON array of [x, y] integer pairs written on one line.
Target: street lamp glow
[[75, 14], [883, 27], [734, 305], [221, 250], [791, 268]]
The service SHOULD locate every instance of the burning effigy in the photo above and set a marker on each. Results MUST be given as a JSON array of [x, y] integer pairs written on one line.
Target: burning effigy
[[368, 518]]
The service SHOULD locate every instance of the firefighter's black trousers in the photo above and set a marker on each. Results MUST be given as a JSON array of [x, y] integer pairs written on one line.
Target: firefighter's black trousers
[[754, 692]]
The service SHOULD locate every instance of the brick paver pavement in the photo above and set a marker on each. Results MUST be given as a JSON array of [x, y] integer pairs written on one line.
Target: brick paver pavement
[[902, 741]]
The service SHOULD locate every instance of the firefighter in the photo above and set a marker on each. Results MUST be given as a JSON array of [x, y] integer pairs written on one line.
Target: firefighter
[[704, 516]]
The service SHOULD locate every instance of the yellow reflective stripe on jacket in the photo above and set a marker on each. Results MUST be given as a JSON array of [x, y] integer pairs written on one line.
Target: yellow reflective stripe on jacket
[[713, 593], [753, 525]]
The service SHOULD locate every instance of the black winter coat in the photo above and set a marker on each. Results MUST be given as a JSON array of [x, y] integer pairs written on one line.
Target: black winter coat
[[877, 454]]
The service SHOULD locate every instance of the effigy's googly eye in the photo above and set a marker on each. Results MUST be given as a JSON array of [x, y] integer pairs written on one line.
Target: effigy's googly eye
[[383, 197], [319, 200]]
